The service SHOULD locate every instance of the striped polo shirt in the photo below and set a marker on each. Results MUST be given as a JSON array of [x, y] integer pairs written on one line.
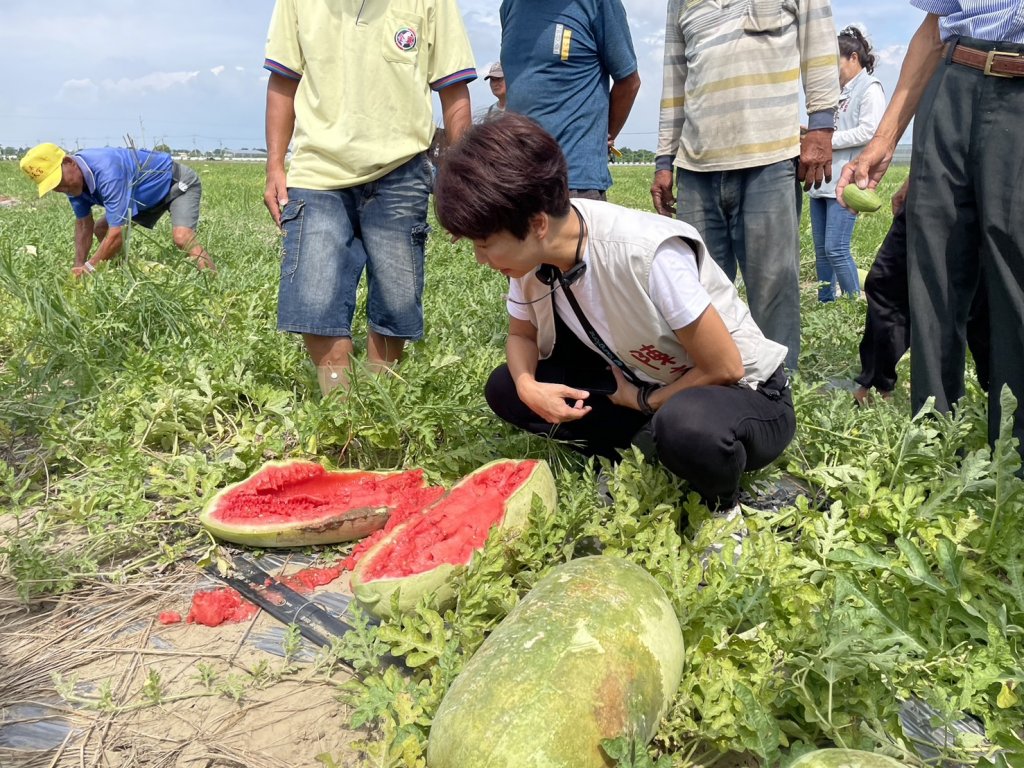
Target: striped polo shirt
[[732, 79], [993, 20]]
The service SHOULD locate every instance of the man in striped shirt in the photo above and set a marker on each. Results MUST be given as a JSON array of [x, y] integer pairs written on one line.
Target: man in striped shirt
[[963, 83], [730, 126]]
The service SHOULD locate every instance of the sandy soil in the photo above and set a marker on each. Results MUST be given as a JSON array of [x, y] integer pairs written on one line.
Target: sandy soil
[[97, 676]]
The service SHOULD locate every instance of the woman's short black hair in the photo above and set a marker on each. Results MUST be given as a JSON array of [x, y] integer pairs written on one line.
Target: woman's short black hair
[[498, 176]]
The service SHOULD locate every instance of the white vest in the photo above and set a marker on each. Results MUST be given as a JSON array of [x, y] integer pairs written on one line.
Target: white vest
[[621, 243], [851, 101]]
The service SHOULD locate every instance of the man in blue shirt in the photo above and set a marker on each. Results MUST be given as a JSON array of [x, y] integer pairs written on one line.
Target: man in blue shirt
[[557, 58], [962, 81], [131, 185]]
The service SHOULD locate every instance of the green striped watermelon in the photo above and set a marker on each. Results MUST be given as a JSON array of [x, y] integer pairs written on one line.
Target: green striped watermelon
[[593, 652]]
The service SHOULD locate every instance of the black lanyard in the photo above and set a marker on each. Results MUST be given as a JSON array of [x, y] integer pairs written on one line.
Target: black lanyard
[[594, 336]]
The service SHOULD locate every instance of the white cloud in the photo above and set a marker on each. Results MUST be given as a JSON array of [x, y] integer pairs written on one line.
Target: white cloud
[[218, 69], [892, 55], [154, 81]]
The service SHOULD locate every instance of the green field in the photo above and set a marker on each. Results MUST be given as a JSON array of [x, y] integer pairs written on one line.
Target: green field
[[129, 398]]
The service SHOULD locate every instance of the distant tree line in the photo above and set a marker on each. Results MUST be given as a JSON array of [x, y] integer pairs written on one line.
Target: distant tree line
[[634, 156]]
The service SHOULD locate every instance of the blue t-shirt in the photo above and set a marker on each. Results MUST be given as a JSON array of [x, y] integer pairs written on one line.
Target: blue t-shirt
[[558, 56], [124, 181]]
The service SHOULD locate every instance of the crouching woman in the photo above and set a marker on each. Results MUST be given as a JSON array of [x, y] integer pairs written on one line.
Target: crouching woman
[[619, 320]]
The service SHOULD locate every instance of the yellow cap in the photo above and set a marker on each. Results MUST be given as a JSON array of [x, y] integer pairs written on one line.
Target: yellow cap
[[42, 164]]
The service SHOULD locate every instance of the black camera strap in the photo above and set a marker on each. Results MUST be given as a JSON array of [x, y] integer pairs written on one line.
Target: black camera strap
[[594, 336]]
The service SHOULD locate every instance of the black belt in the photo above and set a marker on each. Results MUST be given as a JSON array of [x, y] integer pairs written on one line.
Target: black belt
[[994, 63]]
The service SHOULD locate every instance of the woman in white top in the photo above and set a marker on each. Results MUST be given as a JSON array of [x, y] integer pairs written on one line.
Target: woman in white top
[[861, 105], [620, 322]]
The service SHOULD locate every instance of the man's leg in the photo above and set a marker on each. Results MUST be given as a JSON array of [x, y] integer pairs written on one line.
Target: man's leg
[[185, 239], [393, 222], [184, 211], [999, 147], [887, 326], [100, 229], [766, 253], [699, 203], [320, 269], [942, 236], [332, 356]]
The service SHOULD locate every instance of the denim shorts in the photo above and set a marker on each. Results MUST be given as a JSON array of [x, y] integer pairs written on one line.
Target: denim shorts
[[331, 236]]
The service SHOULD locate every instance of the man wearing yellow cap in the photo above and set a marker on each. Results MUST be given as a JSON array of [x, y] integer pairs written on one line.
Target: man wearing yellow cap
[[132, 185]]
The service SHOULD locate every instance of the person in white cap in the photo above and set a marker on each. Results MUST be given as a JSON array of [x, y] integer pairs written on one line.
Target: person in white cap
[[132, 185], [496, 77]]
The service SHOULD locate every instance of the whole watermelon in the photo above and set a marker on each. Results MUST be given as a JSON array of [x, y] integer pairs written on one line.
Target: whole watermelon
[[593, 652], [845, 758]]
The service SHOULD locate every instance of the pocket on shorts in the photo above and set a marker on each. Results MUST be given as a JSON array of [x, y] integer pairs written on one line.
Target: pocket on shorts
[[401, 37], [291, 246], [769, 15]]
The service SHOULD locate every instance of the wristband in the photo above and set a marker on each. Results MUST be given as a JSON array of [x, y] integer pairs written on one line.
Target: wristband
[[643, 394], [89, 267]]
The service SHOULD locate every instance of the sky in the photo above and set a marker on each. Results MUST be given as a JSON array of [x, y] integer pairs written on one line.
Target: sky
[[189, 73]]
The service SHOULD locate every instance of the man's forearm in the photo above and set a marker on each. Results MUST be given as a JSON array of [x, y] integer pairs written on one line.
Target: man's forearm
[[83, 240], [280, 118], [620, 102], [923, 56], [456, 110], [110, 246]]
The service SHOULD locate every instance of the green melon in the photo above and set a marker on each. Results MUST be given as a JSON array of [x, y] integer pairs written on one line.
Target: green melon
[[594, 651], [845, 758], [861, 200], [299, 503], [420, 555]]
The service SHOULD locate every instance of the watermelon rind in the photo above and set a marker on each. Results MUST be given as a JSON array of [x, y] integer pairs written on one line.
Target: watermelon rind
[[344, 526], [845, 758], [376, 596], [594, 651]]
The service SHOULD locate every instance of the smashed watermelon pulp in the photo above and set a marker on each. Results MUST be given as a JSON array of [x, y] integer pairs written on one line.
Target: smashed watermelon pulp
[[456, 527], [299, 503], [419, 556]]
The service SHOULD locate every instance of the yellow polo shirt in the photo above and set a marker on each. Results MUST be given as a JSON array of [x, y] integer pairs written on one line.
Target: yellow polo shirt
[[366, 69]]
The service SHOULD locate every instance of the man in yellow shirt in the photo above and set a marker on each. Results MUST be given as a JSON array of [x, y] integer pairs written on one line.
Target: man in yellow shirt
[[350, 86]]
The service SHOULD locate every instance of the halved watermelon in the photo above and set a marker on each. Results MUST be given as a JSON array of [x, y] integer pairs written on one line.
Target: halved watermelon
[[420, 555], [299, 503]]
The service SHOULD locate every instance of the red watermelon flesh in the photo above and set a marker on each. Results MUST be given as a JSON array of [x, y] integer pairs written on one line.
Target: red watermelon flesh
[[299, 503], [302, 491], [457, 526]]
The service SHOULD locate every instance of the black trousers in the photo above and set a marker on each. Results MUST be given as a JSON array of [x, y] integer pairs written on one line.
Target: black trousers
[[887, 327], [708, 436], [965, 223]]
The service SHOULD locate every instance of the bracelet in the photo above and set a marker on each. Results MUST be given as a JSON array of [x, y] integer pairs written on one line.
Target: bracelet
[[89, 267], [643, 394]]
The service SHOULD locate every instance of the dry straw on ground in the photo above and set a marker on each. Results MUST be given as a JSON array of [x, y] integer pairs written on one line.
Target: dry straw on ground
[[112, 687]]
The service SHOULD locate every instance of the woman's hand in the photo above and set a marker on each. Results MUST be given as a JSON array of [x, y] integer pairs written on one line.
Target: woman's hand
[[625, 393], [549, 401]]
